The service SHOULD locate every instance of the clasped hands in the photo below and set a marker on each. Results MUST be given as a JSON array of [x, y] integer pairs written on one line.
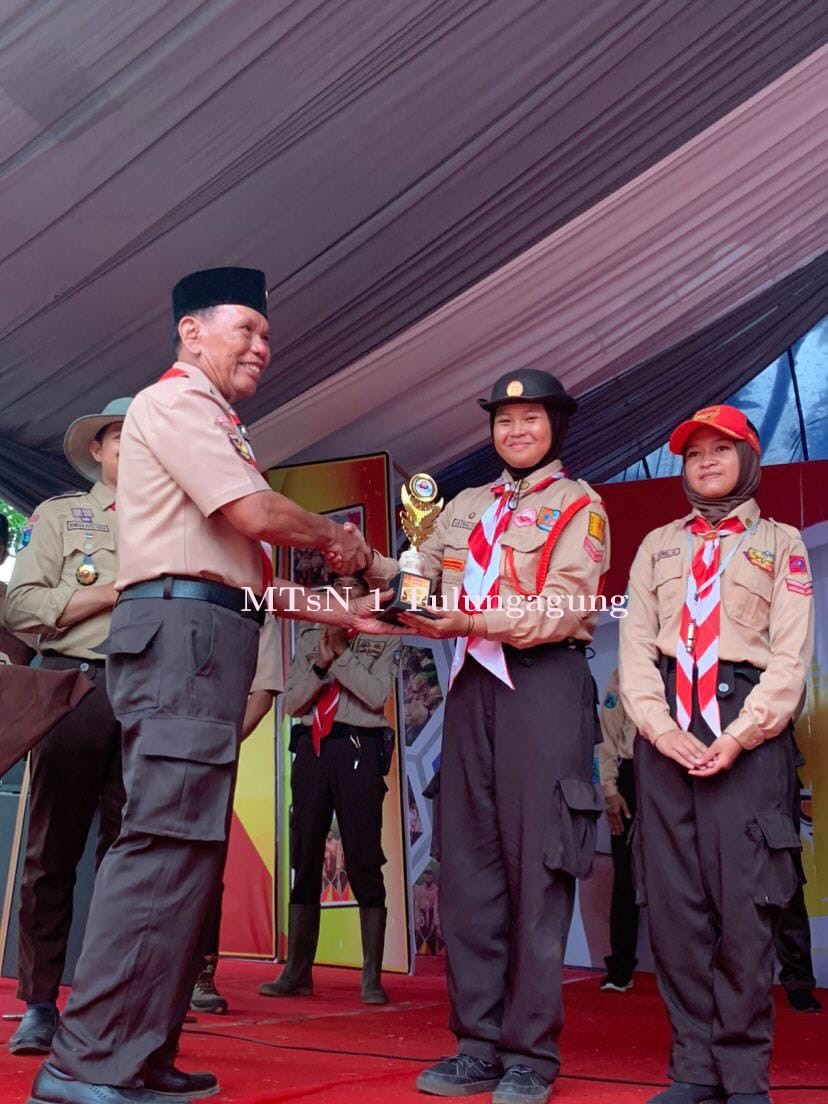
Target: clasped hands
[[701, 761]]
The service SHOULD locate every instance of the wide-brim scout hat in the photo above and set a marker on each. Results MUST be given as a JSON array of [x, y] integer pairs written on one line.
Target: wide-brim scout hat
[[729, 421], [213, 287], [83, 431], [530, 385]]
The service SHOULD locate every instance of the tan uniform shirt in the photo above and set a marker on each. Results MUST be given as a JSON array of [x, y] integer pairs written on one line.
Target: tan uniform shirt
[[365, 671], [581, 556], [619, 734], [269, 674], [58, 535], [182, 458], [766, 619]]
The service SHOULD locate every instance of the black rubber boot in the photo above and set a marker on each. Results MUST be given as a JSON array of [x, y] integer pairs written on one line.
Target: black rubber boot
[[296, 980], [372, 923]]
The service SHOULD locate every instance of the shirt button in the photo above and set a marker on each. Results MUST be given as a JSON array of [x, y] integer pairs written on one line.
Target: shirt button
[[723, 688], [84, 666]]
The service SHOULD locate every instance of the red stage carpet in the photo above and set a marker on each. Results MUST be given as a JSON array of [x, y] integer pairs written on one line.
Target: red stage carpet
[[335, 1050]]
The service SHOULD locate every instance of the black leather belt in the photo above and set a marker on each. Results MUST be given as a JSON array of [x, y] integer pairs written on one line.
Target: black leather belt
[[198, 590]]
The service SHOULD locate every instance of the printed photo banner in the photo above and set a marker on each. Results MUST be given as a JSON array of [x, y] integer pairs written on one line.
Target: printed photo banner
[[356, 490]]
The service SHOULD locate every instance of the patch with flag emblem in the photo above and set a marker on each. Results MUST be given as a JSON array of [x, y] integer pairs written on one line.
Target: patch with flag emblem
[[596, 527], [797, 565], [547, 518], [762, 559]]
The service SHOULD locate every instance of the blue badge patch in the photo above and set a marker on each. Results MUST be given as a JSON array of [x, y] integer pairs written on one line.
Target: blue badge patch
[[547, 518], [610, 701], [24, 538]]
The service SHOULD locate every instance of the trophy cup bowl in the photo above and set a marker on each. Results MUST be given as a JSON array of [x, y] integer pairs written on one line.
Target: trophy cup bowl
[[412, 588]]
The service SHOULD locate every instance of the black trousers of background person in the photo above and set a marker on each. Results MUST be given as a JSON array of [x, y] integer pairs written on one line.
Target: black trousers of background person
[[518, 815], [793, 926], [178, 676], [623, 908], [347, 780], [718, 863], [74, 771]]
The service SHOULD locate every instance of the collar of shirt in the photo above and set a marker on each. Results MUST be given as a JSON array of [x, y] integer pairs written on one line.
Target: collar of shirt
[[748, 513], [103, 495], [552, 468]]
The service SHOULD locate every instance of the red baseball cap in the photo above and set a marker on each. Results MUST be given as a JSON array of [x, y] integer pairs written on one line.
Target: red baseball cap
[[726, 419]]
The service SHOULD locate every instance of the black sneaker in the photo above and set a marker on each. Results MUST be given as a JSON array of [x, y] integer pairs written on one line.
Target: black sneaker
[[803, 1000], [205, 996], [462, 1075], [749, 1098], [522, 1085], [685, 1092], [616, 985]]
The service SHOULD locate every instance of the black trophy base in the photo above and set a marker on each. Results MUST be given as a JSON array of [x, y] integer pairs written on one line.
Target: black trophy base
[[411, 595]]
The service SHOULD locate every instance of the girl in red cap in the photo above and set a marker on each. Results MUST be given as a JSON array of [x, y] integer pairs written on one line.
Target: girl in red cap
[[714, 650]]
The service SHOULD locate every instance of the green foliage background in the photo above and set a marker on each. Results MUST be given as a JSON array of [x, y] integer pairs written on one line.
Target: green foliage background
[[16, 522]]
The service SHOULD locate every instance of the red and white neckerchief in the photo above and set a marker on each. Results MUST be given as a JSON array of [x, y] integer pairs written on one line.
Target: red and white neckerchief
[[697, 652], [481, 580], [324, 711]]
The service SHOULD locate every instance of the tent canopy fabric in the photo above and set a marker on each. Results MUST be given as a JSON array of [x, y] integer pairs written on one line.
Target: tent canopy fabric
[[377, 161]]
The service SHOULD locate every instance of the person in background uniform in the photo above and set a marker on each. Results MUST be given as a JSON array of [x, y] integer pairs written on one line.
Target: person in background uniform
[[267, 683], [62, 588], [714, 650], [615, 767], [181, 656], [517, 804], [792, 935], [338, 687]]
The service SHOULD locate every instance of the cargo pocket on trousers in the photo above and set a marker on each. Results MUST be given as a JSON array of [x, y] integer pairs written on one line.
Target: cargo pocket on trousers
[[577, 807], [182, 778], [432, 792], [637, 862], [776, 842], [132, 684]]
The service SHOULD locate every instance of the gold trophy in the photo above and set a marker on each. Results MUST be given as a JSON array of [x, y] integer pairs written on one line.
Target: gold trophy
[[421, 508]]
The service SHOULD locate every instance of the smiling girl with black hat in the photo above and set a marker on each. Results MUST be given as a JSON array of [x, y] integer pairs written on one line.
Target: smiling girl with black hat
[[517, 807]]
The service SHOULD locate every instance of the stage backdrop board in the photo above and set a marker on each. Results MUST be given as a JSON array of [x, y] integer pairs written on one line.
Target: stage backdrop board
[[356, 490]]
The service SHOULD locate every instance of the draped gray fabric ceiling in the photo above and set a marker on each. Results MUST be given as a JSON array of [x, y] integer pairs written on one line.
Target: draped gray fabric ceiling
[[375, 159]]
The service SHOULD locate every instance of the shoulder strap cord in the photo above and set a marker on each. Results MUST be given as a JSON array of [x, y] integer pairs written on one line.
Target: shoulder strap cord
[[549, 547]]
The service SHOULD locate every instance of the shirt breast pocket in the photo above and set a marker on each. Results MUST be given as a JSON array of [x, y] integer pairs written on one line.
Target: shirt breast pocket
[[521, 556], [670, 586], [97, 545], [746, 595]]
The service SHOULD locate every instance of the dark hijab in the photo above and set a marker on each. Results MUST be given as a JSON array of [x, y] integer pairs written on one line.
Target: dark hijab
[[750, 473]]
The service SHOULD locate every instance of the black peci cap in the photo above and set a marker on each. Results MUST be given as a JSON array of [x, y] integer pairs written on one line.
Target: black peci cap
[[529, 385], [244, 287]]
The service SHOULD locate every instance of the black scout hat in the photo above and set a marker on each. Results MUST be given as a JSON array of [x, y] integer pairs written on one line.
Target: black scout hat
[[530, 385], [211, 287]]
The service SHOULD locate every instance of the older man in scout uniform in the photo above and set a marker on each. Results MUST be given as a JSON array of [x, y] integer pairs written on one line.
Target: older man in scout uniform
[[181, 658], [62, 588], [339, 688]]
